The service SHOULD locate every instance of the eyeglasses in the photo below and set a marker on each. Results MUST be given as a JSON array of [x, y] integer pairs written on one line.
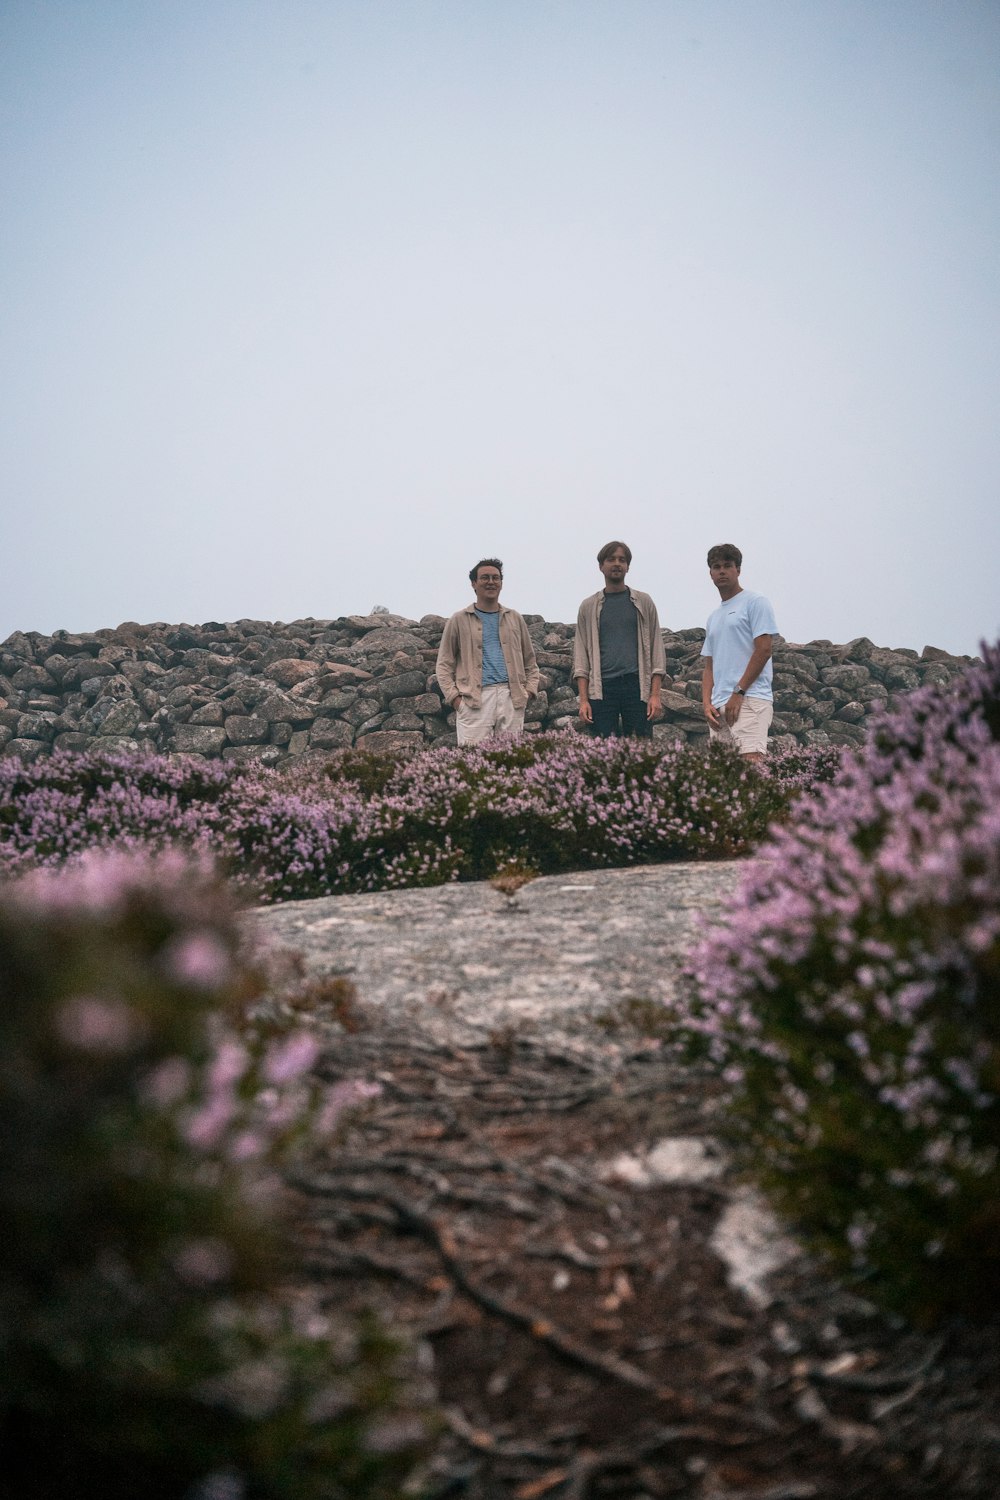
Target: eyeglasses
[[489, 578]]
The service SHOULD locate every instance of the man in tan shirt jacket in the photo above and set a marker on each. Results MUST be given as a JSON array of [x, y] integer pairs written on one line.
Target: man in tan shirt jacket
[[618, 659], [486, 667]]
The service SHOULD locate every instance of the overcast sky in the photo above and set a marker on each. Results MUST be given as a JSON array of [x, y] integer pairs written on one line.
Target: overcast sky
[[309, 304]]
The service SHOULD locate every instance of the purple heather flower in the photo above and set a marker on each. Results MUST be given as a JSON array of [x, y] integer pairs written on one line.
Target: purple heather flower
[[97, 1023], [169, 1082], [199, 959], [290, 1058]]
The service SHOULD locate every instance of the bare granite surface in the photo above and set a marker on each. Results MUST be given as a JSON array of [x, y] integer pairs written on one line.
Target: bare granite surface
[[459, 964], [458, 961]]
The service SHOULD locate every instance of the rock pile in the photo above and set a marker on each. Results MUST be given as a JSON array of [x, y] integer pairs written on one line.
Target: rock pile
[[252, 691]]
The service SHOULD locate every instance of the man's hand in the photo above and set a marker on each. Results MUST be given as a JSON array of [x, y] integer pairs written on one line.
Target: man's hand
[[456, 701], [586, 712], [732, 708], [655, 705], [711, 714]]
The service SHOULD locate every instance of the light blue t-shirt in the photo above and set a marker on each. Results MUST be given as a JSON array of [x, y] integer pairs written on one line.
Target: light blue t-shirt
[[494, 666], [732, 630]]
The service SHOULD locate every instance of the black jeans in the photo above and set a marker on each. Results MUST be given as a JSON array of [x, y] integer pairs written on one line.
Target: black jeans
[[621, 711]]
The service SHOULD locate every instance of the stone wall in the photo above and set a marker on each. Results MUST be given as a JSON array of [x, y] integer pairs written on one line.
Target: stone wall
[[263, 692]]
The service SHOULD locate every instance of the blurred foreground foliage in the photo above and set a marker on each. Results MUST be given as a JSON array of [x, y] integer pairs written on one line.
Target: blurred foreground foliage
[[152, 1339]]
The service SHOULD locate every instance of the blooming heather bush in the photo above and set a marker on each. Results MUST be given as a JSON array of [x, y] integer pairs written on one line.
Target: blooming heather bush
[[368, 770], [565, 801], [71, 804], [359, 822], [144, 1345], [803, 768], [852, 1001]]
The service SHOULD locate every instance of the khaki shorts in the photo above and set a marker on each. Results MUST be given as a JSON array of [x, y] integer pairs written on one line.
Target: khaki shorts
[[497, 715], [749, 733]]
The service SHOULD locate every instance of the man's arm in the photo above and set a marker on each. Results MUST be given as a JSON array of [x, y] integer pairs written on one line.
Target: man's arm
[[658, 665], [581, 665], [447, 660], [707, 684], [759, 657], [531, 672]]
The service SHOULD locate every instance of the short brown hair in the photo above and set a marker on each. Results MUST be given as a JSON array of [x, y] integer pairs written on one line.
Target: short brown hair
[[725, 552], [485, 562], [610, 547]]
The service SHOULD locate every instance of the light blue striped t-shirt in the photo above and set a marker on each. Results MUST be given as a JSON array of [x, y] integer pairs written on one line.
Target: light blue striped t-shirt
[[494, 666]]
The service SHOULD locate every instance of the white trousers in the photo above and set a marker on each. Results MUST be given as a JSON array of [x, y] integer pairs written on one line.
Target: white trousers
[[496, 715], [749, 733]]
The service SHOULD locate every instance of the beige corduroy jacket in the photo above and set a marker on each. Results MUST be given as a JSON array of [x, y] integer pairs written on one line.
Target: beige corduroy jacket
[[460, 657]]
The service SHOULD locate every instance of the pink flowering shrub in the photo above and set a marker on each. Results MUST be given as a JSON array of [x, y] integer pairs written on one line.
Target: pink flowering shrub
[[78, 803], [146, 1344], [360, 821], [851, 1002], [566, 801], [803, 768]]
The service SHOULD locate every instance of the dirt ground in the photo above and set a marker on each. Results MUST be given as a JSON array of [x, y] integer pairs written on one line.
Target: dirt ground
[[581, 1331]]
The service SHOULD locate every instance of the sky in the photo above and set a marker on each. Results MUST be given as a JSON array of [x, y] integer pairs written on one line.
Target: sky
[[310, 304]]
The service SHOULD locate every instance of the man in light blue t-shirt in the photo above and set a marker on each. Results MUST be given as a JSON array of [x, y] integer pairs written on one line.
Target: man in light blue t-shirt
[[736, 692]]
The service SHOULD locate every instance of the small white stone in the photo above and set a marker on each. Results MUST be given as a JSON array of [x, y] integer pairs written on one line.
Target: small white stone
[[685, 1159], [681, 1160], [749, 1240]]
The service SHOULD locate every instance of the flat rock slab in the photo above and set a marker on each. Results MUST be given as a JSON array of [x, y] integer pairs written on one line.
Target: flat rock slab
[[458, 961]]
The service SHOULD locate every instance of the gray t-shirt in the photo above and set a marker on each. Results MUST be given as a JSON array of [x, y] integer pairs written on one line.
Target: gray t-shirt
[[618, 631]]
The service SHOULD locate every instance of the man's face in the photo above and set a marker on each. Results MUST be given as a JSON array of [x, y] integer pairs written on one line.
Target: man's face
[[726, 577], [487, 586], [615, 566]]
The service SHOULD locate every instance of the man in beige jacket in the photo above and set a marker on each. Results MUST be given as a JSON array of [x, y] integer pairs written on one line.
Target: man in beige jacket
[[618, 659], [486, 667]]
